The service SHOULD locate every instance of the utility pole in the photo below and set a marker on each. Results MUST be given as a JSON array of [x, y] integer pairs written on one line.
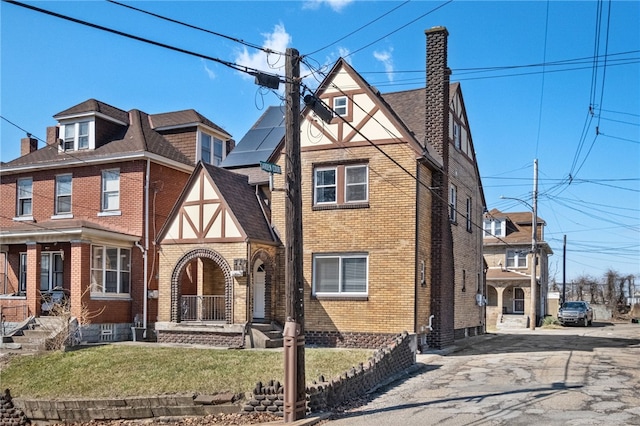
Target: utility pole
[[564, 269], [534, 245], [294, 375]]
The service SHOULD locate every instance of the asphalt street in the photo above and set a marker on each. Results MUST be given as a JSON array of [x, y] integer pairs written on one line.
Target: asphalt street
[[564, 376]]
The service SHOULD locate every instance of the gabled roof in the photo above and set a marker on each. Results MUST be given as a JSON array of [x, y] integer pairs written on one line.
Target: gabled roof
[[516, 234], [260, 141], [94, 106], [237, 197], [184, 118]]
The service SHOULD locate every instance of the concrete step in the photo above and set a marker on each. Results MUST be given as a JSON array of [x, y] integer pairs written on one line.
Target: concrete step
[[264, 336], [512, 322]]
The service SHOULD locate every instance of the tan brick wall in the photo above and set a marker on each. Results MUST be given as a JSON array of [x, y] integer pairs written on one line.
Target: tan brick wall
[[386, 230]]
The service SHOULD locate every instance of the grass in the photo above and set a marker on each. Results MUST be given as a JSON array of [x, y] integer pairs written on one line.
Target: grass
[[122, 370]]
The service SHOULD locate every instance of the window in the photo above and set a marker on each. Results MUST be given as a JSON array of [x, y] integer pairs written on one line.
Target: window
[[469, 219], [325, 186], [341, 185], [51, 274], [110, 190], [464, 280], [340, 275], [110, 270], [25, 196], [76, 136], [493, 228], [22, 279], [516, 258], [63, 194], [211, 149], [456, 134], [340, 106], [356, 183], [453, 194]]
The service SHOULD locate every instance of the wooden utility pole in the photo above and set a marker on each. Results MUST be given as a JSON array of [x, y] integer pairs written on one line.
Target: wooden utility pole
[[295, 384], [534, 246]]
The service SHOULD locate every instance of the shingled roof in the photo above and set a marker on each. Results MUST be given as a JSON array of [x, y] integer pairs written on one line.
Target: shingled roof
[[187, 117], [241, 199], [93, 105]]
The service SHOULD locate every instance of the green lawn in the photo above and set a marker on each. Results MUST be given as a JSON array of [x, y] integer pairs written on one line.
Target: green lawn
[[123, 370]]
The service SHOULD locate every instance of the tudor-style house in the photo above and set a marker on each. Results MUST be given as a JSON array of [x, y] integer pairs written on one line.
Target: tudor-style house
[[79, 215], [510, 262], [392, 214]]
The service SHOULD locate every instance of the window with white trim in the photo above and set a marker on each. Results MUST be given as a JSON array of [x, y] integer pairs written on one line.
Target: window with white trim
[[51, 271], [211, 149], [340, 106], [340, 274], [22, 279], [110, 270], [516, 258], [63, 194], [341, 184], [77, 136], [25, 197], [453, 195], [494, 228], [325, 185], [110, 190]]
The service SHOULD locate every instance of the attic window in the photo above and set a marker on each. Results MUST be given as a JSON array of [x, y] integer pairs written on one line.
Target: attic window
[[211, 149], [494, 228], [340, 106], [77, 136]]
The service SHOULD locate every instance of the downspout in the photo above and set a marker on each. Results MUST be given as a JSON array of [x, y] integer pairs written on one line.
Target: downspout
[[146, 245]]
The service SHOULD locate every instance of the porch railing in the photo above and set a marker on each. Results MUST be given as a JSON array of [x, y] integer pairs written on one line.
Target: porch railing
[[202, 308]]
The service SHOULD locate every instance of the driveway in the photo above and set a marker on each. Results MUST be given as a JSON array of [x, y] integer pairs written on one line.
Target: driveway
[[564, 376]]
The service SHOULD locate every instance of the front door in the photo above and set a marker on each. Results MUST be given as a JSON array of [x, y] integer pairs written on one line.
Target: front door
[[258, 290], [518, 300]]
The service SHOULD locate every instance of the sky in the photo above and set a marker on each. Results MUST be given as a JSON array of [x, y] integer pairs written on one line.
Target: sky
[[548, 80]]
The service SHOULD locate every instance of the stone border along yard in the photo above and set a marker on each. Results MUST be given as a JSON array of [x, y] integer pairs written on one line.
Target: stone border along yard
[[322, 395]]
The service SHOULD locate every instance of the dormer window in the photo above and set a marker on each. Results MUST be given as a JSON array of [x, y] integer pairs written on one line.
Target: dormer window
[[494, 228], [77, 136], [211, 149]]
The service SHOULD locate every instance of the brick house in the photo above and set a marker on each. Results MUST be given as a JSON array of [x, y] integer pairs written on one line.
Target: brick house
[[392, 207], [80, 214], [507, 252]]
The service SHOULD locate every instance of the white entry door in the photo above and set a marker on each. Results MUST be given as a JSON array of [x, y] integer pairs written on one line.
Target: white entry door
[[258, 290]]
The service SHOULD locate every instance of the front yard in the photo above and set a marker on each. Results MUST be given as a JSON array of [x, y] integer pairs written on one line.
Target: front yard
[[126, 370]]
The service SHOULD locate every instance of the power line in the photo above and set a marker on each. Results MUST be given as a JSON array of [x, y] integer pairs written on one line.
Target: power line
[[237, 40], [357, 29]]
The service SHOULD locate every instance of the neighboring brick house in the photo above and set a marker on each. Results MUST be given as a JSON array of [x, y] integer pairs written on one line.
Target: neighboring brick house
[[507, 252], [392, 207], [81, 213]]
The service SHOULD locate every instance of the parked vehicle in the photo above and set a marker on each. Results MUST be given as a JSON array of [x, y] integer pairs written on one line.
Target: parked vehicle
[[575, 313]]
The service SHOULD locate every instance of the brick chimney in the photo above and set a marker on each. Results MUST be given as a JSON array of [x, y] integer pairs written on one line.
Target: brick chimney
[[53, 134], [28, 145], [437, 136]]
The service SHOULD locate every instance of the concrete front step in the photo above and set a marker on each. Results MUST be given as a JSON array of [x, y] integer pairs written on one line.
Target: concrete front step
[[264, 336], [512, 322]]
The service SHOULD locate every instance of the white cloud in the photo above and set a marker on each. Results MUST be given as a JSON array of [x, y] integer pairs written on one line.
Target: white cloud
[[336, 5], [387, 60], [212, 75], [278, 41]]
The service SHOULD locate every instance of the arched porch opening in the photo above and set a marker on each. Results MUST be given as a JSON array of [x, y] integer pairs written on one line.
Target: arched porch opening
[[201, 288]]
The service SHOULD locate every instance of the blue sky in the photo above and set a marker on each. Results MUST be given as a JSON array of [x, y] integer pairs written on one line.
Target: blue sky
[[578, 116]]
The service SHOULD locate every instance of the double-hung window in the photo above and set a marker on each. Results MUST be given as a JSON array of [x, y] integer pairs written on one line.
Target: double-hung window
[[453, 194], [76, 136], [25, 197], [63, 194], [493, 228], [325, 185], [341, 185], [110, 190], [110, 270], [211, 149], [340, 274], [516, 258]]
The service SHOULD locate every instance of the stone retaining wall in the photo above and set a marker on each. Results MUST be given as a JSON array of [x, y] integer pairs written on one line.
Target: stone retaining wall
[[84, 410], [358, 381], [10, 414], [230, 340]]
